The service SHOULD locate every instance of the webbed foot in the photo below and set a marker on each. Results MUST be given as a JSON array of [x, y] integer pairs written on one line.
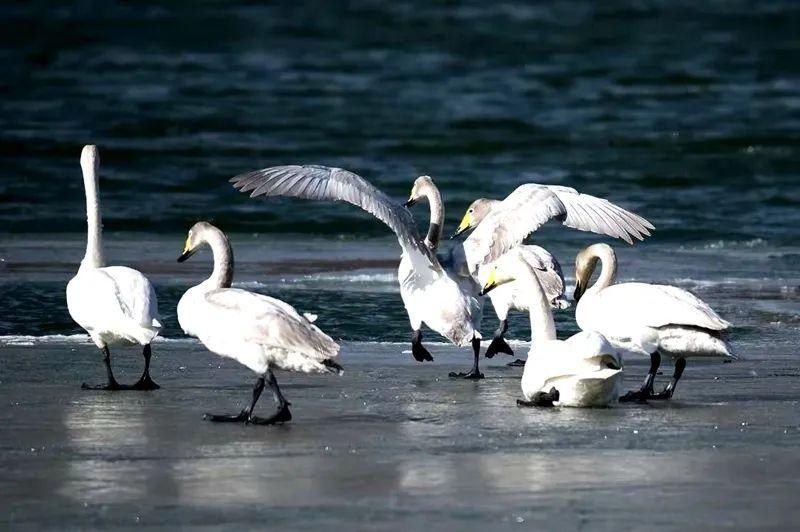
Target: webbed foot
[[498, 345], [541, 399], [282, 415], [471, 375], [241, 417], [518, 363]]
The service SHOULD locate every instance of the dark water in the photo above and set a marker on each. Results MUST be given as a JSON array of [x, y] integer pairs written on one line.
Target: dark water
[[687, 114]]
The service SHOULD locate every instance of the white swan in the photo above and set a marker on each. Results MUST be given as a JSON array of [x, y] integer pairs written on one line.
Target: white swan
[[502, 225], [258, 331], [645, 319], [116, 305], [583, 370], [445, 303]]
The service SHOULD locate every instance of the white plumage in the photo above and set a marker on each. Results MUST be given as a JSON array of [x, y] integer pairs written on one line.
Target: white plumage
[[645, 319], [582, 371], [116, 305], [258, 331]]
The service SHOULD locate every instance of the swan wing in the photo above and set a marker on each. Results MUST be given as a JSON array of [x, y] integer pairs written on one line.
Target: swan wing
[[532, 205], [325, 183], [655, 305], [264, 320]]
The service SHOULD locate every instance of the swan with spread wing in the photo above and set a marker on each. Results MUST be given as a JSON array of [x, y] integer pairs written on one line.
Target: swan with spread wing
[[498, 226], [449, 305]]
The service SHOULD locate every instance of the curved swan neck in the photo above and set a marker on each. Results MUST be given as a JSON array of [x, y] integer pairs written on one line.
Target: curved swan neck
[[608, 266], [437, 216], [222, 276], [542, 325], [94, 234]]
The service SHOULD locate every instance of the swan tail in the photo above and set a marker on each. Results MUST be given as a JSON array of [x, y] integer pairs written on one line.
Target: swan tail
[[685, 342], [310, 317]]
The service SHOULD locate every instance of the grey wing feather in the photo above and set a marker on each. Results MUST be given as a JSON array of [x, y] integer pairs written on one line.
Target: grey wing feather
[[532, 205], [325, 183]]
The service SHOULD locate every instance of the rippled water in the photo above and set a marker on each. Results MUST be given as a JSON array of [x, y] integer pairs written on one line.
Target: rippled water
[[687, 115]]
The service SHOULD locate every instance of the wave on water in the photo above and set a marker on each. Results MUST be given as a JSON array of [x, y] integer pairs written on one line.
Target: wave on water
[[28, 340], [354, 280]]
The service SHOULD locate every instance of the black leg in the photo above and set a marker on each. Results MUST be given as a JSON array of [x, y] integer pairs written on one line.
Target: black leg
[[282, 414], [646, 391], [541, 399], [474, 373], [245, 414], [417, 349], [498, 344], [112, 382], [669, 389], [145, 382]]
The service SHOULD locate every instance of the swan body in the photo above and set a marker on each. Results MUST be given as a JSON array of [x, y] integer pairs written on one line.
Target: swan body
[[645, 319], [641, 318], [116, 305], [432, 294], [584, 370], [258, 331]]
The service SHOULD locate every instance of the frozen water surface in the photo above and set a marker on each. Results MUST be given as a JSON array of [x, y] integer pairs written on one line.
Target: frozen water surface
[[390, 445]]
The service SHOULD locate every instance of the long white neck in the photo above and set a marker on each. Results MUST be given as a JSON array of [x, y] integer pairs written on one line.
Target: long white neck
[[94, 234], [222, 275], [608, 266], [434, 235], [542, 325]]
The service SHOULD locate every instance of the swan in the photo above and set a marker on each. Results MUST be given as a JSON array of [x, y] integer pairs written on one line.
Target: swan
[[116, 305], [500, 225], [446, 303], [584, 370], [645, 319], [258, 331]]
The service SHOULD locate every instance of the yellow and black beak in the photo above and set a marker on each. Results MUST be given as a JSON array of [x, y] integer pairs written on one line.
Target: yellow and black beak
[[466, 223], [411, 202], [579, 290], [490, 284], [187, 251]]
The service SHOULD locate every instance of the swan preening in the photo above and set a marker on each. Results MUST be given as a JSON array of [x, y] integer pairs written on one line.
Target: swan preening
[[583, 371], [258, 331], [645, 319], [116, 305]]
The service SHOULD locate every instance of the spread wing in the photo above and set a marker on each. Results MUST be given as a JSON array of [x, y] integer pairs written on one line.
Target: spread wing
[[336, 184], [531, 205]]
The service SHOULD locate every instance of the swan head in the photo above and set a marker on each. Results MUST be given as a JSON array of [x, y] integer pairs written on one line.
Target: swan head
[[198, 235], [585, 263], [419, 190], [504, 270], [90, 158], [476, 212]]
